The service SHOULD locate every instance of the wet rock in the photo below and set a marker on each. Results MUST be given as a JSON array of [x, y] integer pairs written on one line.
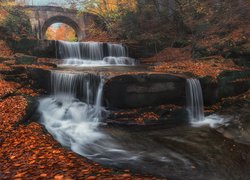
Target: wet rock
[[18, 70], [232, 83], [210, 90], [148, 116], [41, 77], [141, 90], [229, 83], [30, 112], [238, 128], [46, 48], [1, 141], [25, 59]]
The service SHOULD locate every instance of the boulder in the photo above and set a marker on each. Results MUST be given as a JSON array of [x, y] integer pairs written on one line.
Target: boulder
[[41, 77], [210, 90], [141, 90], [229, 83], [25, 59], [232, 83]]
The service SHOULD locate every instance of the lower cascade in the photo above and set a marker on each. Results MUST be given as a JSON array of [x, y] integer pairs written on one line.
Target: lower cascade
[[73, 115], [195, 105], [93, 54], [72, 121]]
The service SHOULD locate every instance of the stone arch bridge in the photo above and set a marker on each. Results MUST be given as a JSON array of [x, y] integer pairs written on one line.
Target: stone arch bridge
[[42, 17]]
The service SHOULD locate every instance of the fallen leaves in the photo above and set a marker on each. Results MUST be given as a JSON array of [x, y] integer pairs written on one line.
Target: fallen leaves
[[4, 49], [12, 109], [4, 67], [201, 68], [35, 155], [170, 54], [27, 91], [7, 87]]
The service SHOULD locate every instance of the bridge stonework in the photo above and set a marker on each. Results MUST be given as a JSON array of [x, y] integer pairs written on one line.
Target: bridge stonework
[[42, 17]]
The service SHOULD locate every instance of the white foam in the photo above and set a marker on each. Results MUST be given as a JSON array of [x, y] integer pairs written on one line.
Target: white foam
[[213, 121]]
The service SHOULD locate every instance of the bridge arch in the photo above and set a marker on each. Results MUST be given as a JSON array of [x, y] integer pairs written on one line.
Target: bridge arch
[[41, 17], [62, 19]]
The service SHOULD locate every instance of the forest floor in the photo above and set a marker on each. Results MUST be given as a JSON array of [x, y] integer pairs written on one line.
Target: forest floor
[[179, 60]]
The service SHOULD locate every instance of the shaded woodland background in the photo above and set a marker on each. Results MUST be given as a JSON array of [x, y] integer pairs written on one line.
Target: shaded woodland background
[[209, 27]]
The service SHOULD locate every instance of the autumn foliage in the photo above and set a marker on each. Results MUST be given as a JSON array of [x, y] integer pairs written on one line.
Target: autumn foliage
[[209, 67], [62, 32]]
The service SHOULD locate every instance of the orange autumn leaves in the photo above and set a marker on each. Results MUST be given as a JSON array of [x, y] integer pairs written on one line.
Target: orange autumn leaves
[[179, 60], [7, 87], [35, 155], [4, 49], [61, 32], [209, 67], [27, 152], [12, 110]]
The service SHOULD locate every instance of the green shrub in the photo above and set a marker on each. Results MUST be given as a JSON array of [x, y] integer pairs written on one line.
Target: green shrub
[[17, 23]]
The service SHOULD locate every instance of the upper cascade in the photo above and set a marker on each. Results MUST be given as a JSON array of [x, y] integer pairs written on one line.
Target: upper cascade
[[93, 54]]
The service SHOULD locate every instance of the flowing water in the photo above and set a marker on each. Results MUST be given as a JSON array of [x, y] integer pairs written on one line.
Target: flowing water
[[93, 54], [74, 115], [195, 106]]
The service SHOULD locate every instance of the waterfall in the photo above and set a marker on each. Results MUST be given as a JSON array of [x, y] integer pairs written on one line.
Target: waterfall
[[82, 86], [117, 50], [93, 54], [74, 109], [81, 50], [194, 97]]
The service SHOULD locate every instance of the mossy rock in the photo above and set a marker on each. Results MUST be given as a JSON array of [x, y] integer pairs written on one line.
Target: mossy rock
[[25, 59], [25, 46], [7, 58]]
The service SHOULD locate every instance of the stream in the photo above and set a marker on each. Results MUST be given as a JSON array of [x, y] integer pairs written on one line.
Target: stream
[[195, 150]]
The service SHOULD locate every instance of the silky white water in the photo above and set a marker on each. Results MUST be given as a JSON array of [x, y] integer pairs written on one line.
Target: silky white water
[[73, 115], [67, 118], [93, 54], [195, 106]]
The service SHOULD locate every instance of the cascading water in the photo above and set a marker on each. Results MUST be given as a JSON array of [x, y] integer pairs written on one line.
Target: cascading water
[[93, 54], [71, 121], [195, 106], [72, 114], [194, 97], [117, 50], [81, 50]]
